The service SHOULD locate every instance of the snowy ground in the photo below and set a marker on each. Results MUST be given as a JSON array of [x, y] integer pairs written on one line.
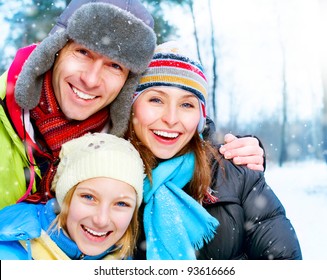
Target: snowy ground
[[302, 188]]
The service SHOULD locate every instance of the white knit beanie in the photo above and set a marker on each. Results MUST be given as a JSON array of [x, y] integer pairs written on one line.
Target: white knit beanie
[[98, 155]]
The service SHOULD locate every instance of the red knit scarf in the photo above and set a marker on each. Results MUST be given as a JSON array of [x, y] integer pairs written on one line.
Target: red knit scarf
[[56, 129]]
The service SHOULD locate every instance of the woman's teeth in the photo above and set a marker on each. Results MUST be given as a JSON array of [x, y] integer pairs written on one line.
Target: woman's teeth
[[166, 134]]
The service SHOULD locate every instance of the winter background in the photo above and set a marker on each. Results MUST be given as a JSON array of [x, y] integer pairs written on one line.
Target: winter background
[[262, 46], [253, 37], [302, 188]]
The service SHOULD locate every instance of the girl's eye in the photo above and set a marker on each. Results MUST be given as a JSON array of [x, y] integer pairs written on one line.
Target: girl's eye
[[88, 196], [122, 204]]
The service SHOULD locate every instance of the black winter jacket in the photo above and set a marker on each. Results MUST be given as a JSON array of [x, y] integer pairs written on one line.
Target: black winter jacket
[[253, 224]]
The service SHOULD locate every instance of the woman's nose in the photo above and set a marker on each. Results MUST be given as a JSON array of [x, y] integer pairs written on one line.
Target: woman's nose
[[170, 115]]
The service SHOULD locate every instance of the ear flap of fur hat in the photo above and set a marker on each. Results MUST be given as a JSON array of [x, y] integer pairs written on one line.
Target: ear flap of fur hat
[[29, 83], [105, 29], [120, 108]]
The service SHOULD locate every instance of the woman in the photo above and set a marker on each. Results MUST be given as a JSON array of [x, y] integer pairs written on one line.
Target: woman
[[94, 215], [188, 179]]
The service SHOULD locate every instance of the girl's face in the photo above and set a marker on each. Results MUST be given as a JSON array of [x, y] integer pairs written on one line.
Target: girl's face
[[100, 212], [165, 119]]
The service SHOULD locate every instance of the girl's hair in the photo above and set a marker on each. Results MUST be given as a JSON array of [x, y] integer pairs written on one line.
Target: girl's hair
[[126, 245], [204, 152]]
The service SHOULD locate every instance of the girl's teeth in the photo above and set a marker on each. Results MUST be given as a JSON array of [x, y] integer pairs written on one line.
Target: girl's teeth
[[94, 232], [83, 95]]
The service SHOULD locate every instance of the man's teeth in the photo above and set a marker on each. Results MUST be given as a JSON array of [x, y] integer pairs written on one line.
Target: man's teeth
[[166, 134], [83, 95], [95, 233]]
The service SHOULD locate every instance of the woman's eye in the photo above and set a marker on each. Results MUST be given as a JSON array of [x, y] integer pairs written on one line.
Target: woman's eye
[[155, 100], [187, 105]]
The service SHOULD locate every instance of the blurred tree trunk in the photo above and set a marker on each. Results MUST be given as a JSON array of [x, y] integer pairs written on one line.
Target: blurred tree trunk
[[283, 137], [323, 11], [214, 65], [214, 56], [195, 30]]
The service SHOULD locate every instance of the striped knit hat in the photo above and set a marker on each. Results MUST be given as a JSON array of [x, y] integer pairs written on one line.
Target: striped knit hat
[[172, 66]]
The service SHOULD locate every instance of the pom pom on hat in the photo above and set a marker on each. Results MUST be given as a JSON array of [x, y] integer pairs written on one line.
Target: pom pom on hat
[[173, 66], [98, 155]]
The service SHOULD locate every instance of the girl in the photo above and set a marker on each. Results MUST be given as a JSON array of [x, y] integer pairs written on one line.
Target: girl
[[94, 214]]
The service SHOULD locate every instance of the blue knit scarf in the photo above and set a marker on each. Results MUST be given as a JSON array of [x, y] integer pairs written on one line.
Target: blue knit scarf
[[175, 224]]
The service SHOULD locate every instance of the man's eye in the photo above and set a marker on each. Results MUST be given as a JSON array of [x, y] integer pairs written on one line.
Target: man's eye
[[83, 52], [116, 66]]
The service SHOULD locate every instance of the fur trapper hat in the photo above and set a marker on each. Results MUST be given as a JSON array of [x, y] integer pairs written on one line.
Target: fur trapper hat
[[119, 29]]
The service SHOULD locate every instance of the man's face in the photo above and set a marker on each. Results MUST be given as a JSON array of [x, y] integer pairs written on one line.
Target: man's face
[[85, 82]]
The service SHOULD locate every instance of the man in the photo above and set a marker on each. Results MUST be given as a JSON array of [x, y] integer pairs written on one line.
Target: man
[[79, 79]]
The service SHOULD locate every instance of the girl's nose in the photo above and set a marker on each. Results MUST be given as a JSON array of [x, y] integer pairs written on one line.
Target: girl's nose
[[102, 217]]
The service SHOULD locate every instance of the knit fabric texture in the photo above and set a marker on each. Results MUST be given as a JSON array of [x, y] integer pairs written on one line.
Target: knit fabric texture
[[173, 66], [175, 224], [98, 155]]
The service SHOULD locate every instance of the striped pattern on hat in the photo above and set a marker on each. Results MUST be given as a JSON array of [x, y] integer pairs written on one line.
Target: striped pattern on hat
[[170, 66]]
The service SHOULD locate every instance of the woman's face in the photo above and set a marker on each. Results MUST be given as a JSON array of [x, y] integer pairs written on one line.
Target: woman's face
[[85, 82], [100, 212], [165, 119]]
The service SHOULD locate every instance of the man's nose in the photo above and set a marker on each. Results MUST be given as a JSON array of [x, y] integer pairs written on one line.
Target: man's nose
[[91, 75]]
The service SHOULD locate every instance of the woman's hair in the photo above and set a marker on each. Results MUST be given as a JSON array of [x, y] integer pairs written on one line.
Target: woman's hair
[[204, 154], [126, 245]]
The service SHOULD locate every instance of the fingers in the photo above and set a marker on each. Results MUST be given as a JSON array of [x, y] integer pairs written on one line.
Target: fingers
[[249, 160], [243, 151], [229, 138], [232, 142], [257, 167], [240, 147]]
